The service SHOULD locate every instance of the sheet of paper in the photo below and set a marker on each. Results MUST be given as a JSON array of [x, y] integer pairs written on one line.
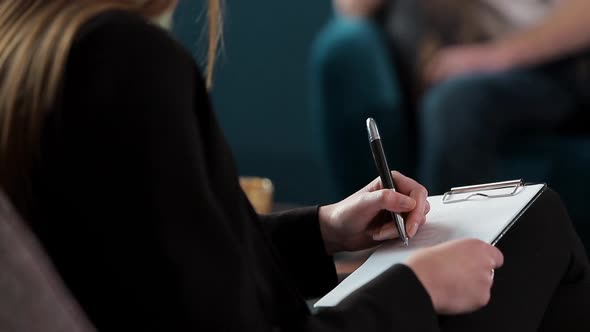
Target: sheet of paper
[[480, 218]]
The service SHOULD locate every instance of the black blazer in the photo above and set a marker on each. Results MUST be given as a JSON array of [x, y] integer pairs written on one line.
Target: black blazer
[[136, 199]]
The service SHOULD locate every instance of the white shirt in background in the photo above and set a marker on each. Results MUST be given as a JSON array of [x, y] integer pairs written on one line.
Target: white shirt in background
[[523, 13]]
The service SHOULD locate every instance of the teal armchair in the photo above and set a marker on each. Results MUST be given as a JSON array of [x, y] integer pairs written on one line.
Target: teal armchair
[[352, 78]]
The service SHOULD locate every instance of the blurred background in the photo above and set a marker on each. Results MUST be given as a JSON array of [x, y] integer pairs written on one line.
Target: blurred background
[[296, 80], [261, 90]]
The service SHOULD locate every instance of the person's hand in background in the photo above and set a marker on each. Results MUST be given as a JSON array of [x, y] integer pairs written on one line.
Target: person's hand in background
[[561, 33], [467, 59], [360, 8], [362, 220], [458, 275]]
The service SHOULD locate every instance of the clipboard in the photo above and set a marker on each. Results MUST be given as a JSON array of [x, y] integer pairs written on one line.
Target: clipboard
[[479, 191], [486, 212]]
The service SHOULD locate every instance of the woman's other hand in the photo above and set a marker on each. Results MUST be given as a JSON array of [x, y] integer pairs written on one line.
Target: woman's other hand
[[362, 220], [458, 275]]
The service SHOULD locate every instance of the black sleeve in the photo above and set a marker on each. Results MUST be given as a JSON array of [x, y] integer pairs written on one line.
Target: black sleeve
[[395, 297], [296, 236], [394, 301], [135, 175]]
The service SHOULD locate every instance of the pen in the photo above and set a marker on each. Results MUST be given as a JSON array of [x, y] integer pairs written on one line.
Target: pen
[[384, 173]]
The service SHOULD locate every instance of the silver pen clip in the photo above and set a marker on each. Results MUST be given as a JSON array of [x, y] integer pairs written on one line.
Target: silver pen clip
[[475, 191]]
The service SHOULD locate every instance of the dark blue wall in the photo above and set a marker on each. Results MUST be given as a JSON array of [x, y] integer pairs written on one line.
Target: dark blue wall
[[260, 92]]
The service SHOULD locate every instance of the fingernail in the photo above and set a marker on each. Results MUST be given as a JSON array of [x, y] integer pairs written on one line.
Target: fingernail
[[407, 202], [384, 234], [412, 230]]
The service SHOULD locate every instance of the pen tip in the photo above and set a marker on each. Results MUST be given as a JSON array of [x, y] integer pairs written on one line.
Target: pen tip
[[406, 242]]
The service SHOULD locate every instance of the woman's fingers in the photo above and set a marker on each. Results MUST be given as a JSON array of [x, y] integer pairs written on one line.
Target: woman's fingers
[[417, 217], [497, 257], [389, 200], [408, 187], [403, 184], [386, 199]]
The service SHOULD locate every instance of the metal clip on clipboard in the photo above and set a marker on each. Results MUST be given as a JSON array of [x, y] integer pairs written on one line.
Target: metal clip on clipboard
[[475, 191]]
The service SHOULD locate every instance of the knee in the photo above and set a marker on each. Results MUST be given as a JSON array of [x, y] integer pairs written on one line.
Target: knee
[[344, 40], [459, 105], [350, 61], [548, 217]]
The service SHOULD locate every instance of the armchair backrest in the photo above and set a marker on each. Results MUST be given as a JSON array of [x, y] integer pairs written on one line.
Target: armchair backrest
[[32, 296]]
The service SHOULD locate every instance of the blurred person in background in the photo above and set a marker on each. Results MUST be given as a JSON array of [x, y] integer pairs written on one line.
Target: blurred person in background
[[481, 73], [111, 150]]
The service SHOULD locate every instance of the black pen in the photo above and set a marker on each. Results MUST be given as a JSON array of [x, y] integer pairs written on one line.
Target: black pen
[[384, 173]]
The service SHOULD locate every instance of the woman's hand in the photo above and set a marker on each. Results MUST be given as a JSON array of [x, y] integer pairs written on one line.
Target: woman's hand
[[458, 275], [361, 220]]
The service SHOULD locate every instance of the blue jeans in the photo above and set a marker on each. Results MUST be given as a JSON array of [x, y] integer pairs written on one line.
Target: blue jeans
[[465, 122]]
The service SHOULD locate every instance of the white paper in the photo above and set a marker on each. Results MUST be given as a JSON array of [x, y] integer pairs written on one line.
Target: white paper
[[480, 218]]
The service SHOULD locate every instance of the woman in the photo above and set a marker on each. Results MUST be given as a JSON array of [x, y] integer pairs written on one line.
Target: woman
[[111, 150]]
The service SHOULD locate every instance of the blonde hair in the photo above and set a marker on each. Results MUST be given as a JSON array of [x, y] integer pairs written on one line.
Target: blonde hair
[[35, 39]]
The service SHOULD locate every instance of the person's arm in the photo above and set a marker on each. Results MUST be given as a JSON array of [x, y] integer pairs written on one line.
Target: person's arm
[[296, 236], [375, 307], [562, 33], [307, 237]]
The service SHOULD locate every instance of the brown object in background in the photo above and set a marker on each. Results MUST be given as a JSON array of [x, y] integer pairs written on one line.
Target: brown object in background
[[259, 191]]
